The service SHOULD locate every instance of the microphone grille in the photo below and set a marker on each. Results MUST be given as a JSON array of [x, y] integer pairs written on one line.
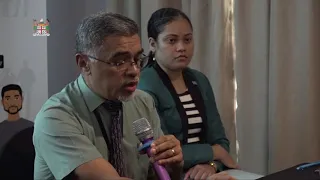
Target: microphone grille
[[142, 129]]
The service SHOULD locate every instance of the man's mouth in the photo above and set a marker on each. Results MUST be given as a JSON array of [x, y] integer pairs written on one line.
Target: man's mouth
[[131, 86]]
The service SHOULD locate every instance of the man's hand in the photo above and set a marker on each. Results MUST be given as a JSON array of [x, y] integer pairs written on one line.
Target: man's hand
[[222, 155], [221, 176], [200, 171], [167, 151]]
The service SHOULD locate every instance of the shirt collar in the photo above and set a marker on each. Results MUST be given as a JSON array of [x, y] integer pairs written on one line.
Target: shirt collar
[[92, 100]]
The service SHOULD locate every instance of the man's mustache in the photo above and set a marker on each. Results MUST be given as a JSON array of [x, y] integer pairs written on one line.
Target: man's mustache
[[132, 81]]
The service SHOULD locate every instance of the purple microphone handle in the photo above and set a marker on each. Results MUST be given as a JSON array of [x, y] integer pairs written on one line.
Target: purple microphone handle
[[160, 170]]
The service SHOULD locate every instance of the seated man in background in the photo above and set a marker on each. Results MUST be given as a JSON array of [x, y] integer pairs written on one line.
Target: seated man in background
[[12, 100], [85, 131]]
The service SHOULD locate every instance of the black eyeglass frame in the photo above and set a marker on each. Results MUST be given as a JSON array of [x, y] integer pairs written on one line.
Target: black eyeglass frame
[[140, 63]]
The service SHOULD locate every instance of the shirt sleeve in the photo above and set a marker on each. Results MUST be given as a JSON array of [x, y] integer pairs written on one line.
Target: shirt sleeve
[[215, 127], [59, 140]]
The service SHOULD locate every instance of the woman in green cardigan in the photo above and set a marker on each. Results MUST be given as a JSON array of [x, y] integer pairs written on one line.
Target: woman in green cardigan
[[183, 96]]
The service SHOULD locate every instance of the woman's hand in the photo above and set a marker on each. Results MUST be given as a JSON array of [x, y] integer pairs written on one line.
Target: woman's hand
[[200, 171], [221, 176], [223, 156]]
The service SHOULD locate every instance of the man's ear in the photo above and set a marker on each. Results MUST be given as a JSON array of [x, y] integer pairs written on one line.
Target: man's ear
[[152, 44], [83, 63]]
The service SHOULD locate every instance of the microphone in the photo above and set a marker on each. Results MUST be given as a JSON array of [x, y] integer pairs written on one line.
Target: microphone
[[144, 132]]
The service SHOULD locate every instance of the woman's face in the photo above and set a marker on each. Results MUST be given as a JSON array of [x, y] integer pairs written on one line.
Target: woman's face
[[174, 46]]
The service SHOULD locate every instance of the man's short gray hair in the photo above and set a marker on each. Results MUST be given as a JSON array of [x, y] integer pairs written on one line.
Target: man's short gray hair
[[93, 29]]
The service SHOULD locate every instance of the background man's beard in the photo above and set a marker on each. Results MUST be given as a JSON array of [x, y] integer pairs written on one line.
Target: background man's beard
[[15, 112]]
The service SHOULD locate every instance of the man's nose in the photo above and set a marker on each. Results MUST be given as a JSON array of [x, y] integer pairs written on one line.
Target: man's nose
[[133, 70]]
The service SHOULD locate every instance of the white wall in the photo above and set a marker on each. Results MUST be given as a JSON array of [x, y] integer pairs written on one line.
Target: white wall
[[41, 65]]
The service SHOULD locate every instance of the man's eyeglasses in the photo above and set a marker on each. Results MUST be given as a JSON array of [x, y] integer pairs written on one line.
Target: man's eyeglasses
[[125, 63]]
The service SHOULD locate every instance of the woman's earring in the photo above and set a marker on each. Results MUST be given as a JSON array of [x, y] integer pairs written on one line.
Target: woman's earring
[[153, 58]]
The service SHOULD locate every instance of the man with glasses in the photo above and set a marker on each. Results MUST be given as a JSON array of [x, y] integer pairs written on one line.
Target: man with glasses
[[85, 131]]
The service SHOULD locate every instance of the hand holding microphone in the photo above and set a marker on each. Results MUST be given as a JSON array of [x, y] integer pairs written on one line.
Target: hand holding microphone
[[164, 151]]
